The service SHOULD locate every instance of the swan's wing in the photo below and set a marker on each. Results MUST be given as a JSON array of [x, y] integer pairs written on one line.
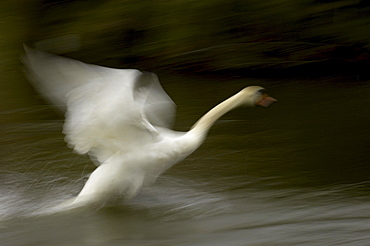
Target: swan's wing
[[108, 110], [158, 106], [103, 117], [54, 76]]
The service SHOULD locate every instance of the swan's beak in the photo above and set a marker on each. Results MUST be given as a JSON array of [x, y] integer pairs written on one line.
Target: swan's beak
[[265, 101]]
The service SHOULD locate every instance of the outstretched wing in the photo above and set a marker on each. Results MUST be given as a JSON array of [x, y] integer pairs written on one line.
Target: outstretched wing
[[54, 76], [107, 110]]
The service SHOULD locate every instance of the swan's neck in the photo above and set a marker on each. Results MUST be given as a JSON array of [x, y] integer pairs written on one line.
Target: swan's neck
[[202, 126]]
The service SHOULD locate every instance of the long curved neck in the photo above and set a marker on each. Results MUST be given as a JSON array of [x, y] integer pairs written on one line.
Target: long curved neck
[[202, 126]]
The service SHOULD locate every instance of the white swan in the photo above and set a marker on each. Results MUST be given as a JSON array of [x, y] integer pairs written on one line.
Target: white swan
[[122, 119]]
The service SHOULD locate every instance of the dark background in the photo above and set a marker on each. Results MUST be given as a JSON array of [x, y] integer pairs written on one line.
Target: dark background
[[252, 38]]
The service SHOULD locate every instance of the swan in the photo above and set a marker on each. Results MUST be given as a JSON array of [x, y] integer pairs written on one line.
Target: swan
[[122, 119]]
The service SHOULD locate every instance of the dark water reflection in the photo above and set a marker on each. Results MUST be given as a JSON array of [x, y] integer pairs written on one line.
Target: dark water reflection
[[293, 174]]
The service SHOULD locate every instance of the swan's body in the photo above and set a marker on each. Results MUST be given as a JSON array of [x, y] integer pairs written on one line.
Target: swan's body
[[122, 119]]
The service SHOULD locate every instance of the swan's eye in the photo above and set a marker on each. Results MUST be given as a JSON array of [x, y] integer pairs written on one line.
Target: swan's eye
[[262, 91]]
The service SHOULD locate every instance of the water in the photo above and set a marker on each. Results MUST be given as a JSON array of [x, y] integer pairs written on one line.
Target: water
[[295, 173]]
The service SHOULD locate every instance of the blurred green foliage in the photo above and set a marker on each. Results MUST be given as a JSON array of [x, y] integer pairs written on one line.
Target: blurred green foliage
[[247, 36]]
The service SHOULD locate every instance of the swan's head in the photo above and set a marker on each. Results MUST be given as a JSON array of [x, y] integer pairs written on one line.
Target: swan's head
[[255, 96]]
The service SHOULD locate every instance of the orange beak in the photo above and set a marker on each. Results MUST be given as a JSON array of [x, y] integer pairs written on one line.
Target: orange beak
[[265, 101]]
